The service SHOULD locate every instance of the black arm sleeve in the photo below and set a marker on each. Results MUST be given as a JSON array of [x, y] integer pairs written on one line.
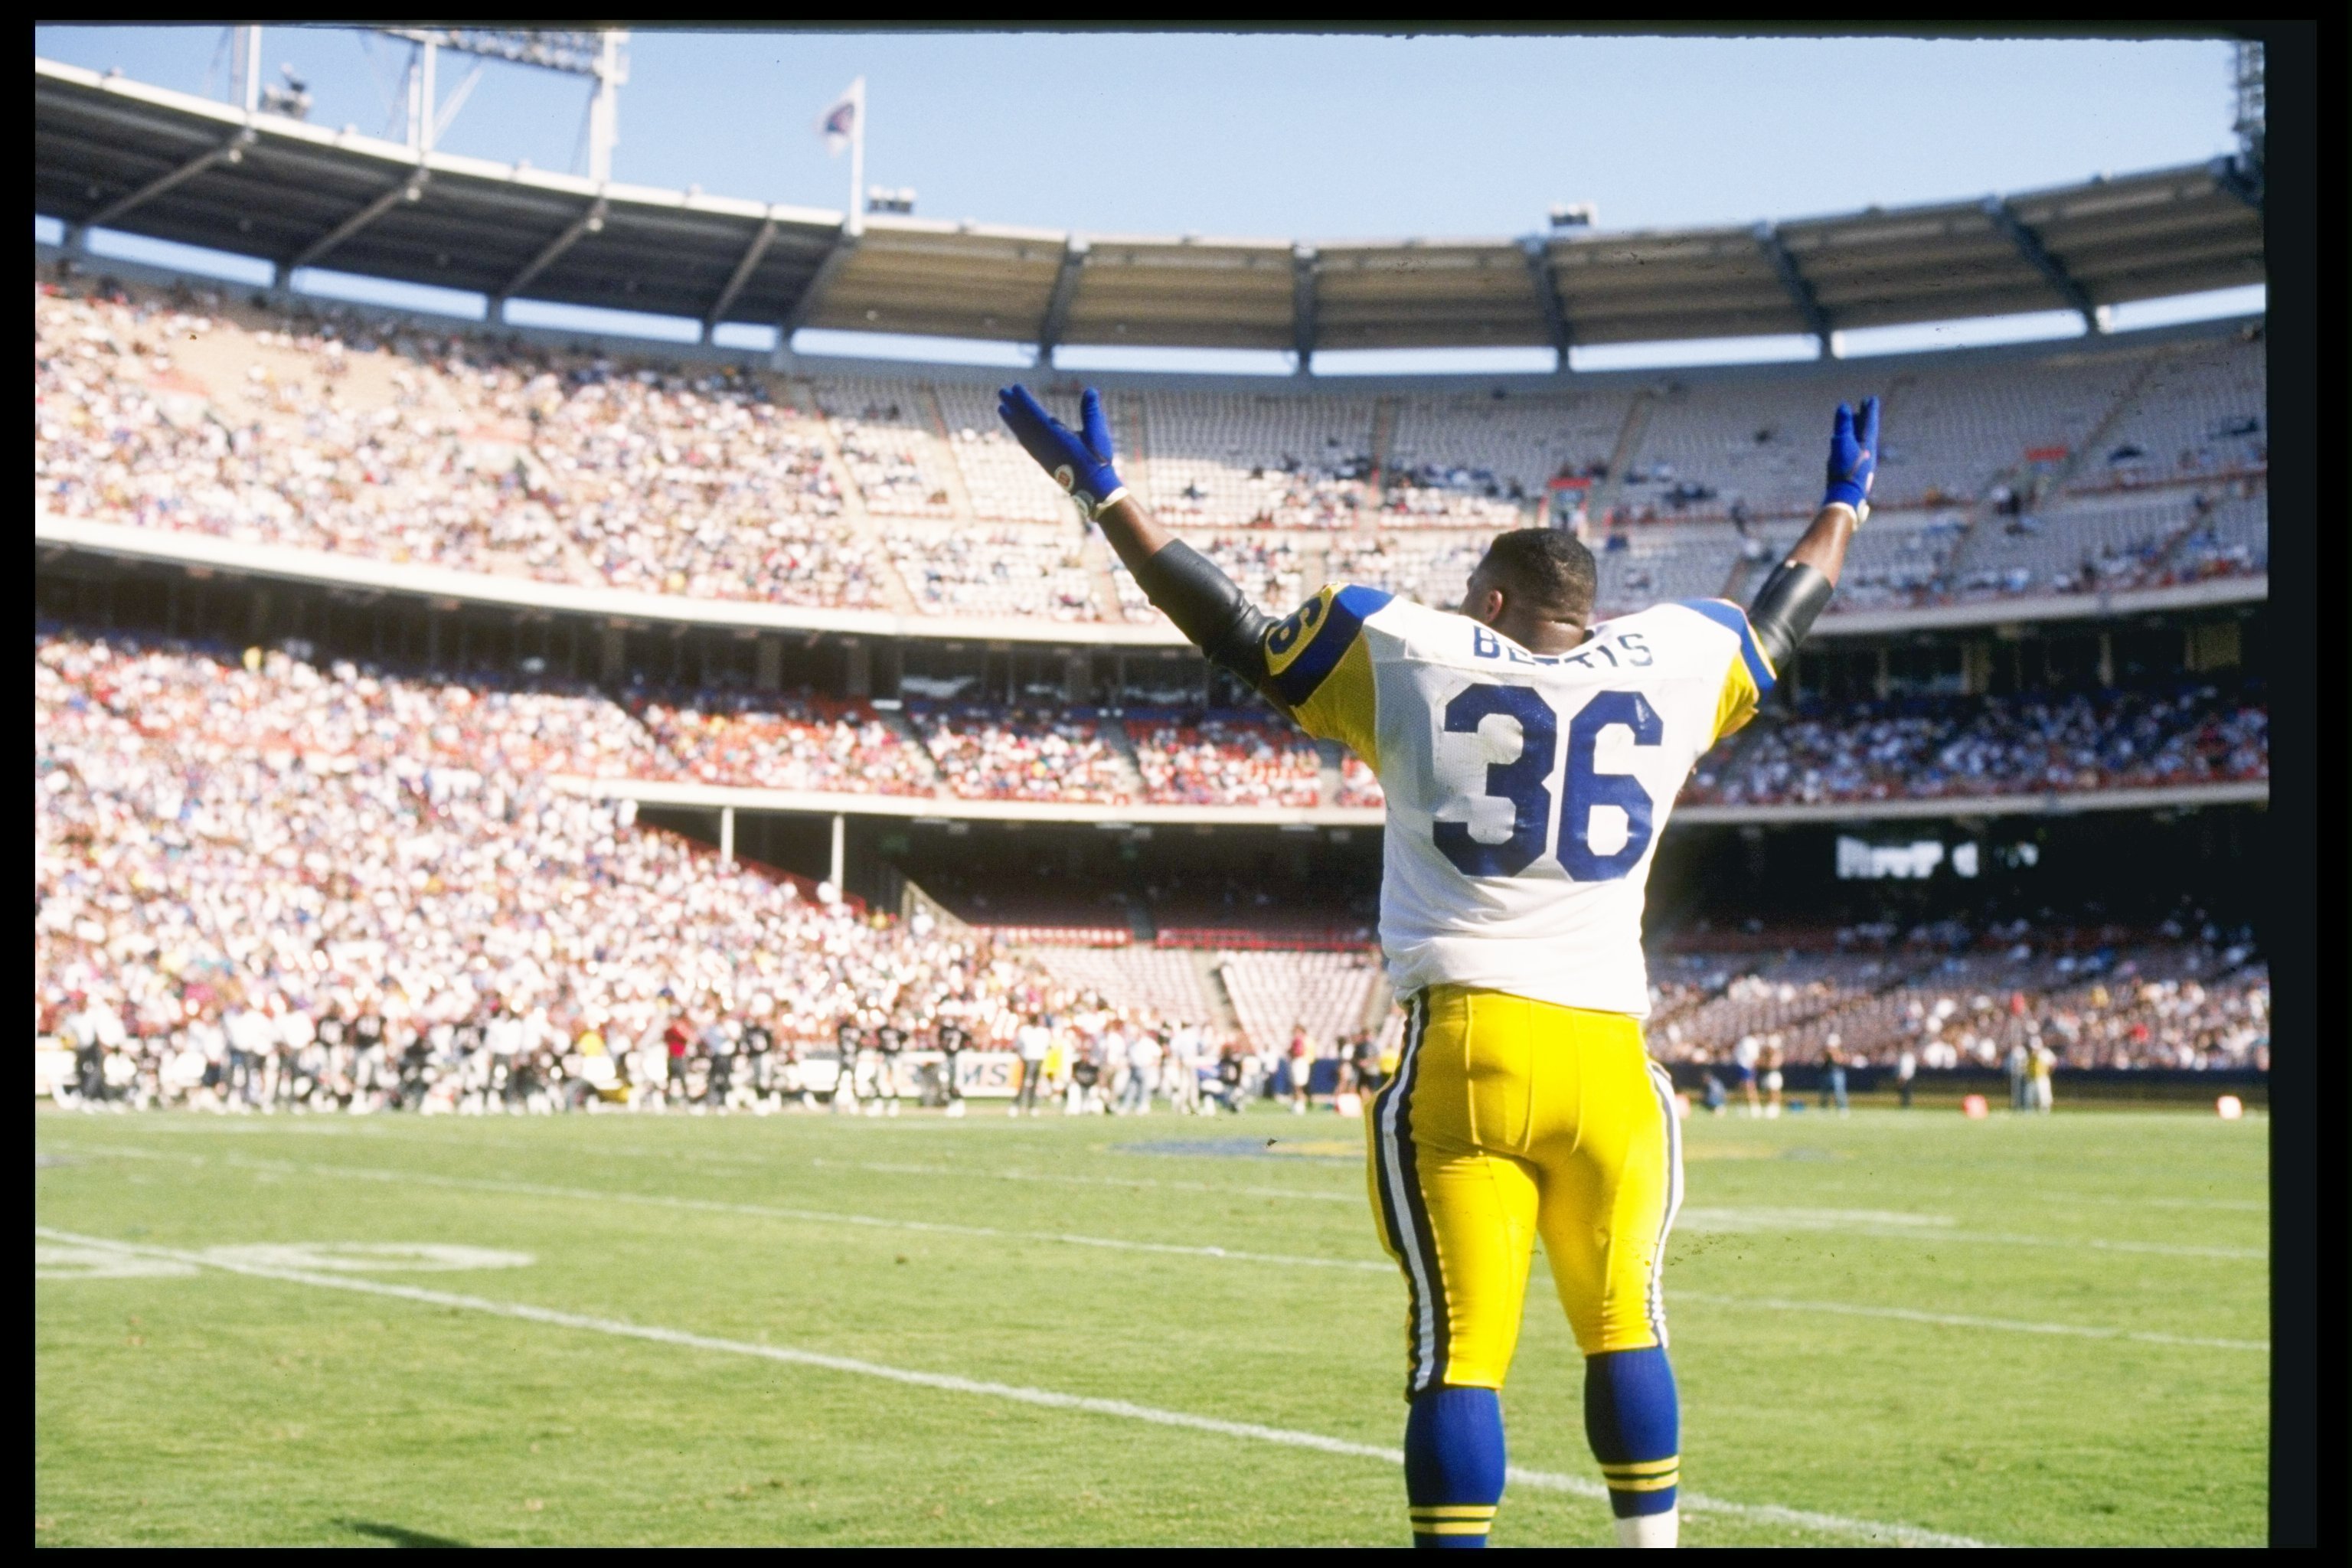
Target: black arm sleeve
[[1208, 607], [1785, 609]]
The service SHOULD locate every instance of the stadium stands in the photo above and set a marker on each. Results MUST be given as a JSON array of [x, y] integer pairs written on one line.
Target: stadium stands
[[1359, 785], [222, 837], [1222, 459], [895, 457], [328, 851], [1164, 979], [434, 448], [1516, 444], [2199, 415], [1225, 759], [337, 431], [1005, 483], [1325, 994], [2198, 731], [773, 741], [2171, 1004], [1002, 571], [1927, 747], [988, 753]]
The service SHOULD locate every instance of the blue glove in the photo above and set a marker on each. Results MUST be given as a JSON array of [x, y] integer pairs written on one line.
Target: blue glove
[[1854, 457], [1080, 465]]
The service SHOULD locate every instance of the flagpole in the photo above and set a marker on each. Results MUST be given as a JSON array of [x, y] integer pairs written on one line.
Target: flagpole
[[858, 157]]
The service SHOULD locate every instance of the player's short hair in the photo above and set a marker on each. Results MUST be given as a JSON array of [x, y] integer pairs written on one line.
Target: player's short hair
[[1552, 568]]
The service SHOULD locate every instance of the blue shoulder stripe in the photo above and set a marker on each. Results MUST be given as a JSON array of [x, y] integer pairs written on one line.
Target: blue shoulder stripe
[[1732, 618], [1329, 643]]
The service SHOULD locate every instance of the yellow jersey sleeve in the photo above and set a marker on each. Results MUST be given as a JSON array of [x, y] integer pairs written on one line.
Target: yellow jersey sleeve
[[1319, 667], [1747, 676]]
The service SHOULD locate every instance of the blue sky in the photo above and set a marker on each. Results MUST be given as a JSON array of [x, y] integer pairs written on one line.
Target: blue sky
[[1308, 137]]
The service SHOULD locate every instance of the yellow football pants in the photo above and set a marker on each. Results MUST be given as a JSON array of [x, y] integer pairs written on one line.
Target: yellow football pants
[[1507, 1119]]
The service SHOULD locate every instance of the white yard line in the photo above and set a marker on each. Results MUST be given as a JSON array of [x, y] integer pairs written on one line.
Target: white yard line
[[1961, 1320], [811, 1216], [1577, 1486], [1228, 1255], [1056, 1179]]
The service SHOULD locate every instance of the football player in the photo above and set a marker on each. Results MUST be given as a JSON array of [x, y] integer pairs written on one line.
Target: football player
[[953, 1038], [1530, 757]]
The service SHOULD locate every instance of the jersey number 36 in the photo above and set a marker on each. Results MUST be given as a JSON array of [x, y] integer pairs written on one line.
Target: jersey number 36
[[1520, 781]]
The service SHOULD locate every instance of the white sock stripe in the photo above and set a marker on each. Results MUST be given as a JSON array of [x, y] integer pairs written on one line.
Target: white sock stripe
[[1834, 1524]]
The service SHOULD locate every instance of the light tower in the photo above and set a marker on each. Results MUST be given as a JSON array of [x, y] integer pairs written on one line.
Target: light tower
[[595, 55], [2247, 74]]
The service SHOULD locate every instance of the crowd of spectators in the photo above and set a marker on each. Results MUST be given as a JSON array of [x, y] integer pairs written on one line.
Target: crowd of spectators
[[2218, 1023], [1005, 571], [215, 707], [1224, 759], [1021, 753], [1927, 747], [2196, 730], [435, 448], [2187, 995], [771, 741], [275, 885], [262, 882], [329, 428]]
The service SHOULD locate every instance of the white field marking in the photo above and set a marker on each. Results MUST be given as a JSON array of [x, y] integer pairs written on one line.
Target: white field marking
[[63, 1263], [1961, 1320], [2237, 1205], [876, 1222], [1862, 1225], [369, 1256], [745, 1162], [1784, 1219], [811, 1216], [60, 1263], [1050, 1399], [1209, 1188]]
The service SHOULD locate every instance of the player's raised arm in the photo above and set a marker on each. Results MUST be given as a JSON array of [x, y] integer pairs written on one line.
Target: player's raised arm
[[1186, 586], [1794, 594]]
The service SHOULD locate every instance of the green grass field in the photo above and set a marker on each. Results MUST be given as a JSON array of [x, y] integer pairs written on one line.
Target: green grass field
[[1874, 1327]]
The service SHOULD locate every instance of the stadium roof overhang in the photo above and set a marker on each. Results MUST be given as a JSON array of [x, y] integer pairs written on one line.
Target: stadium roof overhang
[[111, 152]]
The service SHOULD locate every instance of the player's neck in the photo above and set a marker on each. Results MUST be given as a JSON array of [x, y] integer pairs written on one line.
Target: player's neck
[[1543, 634]]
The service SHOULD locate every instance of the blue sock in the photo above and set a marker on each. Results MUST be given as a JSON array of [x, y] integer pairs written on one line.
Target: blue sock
[[1453, 1465], [1633, 1422]]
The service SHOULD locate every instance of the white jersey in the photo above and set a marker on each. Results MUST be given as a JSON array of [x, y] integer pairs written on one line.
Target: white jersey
[[1526, 792]]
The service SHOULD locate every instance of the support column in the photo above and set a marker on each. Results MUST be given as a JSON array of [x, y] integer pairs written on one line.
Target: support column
[[612, 646], [2106, 658], [860, 674], [770, 664], [1975, 668], [840, 825], [727, 834]]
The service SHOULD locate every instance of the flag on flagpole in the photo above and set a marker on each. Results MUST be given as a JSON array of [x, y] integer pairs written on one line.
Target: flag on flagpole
[[839, 126]]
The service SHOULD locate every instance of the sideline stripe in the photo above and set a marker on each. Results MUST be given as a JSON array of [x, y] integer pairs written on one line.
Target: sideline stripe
[[1959, 1321], [761, 1211], [878, 1222], [1208, 1189], [1547, 1480]]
